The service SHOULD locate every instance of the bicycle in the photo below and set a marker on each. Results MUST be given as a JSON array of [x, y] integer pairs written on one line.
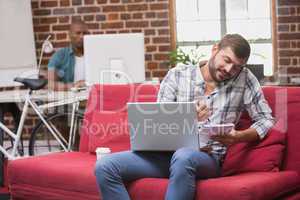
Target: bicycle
[[32, 85], [42, 141]]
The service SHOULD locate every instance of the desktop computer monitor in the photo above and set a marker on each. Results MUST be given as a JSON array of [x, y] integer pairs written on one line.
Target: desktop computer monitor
[[114, 58], [257, 70]]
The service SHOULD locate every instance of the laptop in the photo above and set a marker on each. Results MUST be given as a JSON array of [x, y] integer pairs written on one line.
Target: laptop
[[162, 126]]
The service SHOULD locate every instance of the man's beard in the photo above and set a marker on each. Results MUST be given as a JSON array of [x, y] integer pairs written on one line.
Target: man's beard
[[213, 72], [78, 45]]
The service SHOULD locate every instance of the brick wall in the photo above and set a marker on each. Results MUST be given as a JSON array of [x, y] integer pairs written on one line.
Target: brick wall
[[288, 35], [108, 16]]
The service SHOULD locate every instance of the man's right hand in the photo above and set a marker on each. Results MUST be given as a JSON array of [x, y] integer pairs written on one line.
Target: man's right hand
[[207, 149], [202, 111]]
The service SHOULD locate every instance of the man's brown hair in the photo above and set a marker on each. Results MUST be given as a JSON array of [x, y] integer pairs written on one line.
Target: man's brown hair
[[237, 44]]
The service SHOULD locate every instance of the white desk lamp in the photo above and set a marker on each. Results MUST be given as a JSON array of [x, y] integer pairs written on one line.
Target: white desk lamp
[[47, 47]]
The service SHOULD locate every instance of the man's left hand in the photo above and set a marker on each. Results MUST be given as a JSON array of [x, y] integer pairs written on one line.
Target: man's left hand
[[227, 139], [79, 84]]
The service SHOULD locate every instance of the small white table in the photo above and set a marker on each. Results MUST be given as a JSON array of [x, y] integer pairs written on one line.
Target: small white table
[[18, 96]]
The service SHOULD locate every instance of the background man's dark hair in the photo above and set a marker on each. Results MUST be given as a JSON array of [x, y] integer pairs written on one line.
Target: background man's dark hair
[[237, 44], [77, 22]]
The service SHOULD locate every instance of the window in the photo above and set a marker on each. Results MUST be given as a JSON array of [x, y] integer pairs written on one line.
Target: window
[[200, 24]]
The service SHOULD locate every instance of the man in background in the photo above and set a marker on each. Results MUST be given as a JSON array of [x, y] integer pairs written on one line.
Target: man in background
[[66, 66], [66, 70]]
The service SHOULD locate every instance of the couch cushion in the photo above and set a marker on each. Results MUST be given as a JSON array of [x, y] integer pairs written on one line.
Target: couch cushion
[[109, 129], [285, 103], [265, 155], [34, 192], [250, 186], [61, 173], [113, 98]]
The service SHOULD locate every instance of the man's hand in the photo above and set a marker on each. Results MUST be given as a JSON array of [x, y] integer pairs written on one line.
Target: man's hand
[[202, 111], [56, 85], [247, 135], [227, 139], [79, 84], [207, 149]]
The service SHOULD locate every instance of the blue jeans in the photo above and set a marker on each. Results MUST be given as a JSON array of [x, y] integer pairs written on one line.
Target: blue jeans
[[182, 168]]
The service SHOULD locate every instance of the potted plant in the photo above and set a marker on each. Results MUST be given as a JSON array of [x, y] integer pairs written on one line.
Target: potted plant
[[192, 57]]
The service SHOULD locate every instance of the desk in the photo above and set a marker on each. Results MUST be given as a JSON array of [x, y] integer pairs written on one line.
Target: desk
[[9, 100], [18, 96]]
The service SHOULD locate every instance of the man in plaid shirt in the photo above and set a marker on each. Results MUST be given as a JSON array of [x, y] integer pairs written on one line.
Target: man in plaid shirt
[[229, 88]]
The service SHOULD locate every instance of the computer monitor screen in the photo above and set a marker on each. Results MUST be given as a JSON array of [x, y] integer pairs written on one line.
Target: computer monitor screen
[[114, 58], [258, 71]]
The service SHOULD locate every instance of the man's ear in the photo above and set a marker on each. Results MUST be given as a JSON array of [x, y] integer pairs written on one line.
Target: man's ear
[[215, 49]]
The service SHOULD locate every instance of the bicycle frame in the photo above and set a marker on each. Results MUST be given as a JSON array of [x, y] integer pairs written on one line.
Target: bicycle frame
[[73, 126], [16, 136]]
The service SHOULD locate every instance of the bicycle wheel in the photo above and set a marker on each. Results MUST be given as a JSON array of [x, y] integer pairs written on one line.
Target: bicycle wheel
[[41, 139]]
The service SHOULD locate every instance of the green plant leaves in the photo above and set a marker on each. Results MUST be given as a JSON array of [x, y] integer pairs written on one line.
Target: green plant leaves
[[179, 56]]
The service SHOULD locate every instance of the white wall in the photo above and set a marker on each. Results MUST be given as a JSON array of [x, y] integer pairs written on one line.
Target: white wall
[[17, 47]]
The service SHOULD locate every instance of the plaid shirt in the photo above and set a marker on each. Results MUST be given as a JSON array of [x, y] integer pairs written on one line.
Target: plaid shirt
[[185, 83]]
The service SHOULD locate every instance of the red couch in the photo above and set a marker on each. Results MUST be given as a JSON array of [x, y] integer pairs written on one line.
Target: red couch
[[70, 175]]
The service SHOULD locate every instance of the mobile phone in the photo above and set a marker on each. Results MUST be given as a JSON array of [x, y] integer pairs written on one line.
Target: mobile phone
[[216, 129]]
